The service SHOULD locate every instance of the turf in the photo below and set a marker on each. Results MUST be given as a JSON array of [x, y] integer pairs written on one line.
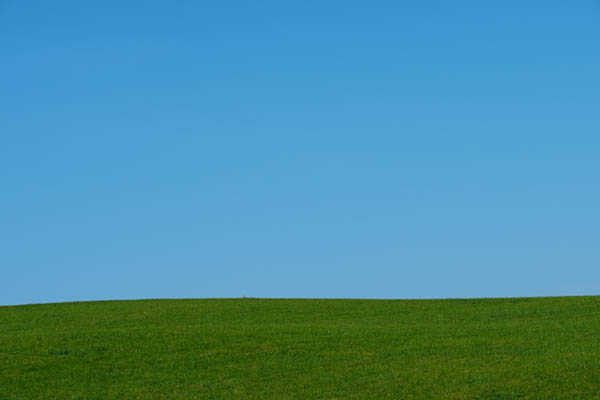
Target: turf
[[531, 348]]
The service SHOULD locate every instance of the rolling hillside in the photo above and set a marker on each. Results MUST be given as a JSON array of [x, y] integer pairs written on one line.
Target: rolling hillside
[[531, 348]]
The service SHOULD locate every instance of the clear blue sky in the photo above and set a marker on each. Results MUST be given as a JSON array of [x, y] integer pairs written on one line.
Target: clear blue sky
[[376, 149]]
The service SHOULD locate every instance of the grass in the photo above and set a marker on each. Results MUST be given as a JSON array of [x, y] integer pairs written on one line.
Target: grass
[[530, 348]]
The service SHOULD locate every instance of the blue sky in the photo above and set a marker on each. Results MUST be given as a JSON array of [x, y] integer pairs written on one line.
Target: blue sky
[[350, 149]]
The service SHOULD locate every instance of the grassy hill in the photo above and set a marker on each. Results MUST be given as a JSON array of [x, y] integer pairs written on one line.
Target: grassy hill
[[532, 348]]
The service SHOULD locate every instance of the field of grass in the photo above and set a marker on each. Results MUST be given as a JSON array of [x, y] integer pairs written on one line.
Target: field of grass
[[531, 348]]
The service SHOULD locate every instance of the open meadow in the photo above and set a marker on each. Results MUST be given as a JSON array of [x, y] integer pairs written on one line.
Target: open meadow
[[528, 348]]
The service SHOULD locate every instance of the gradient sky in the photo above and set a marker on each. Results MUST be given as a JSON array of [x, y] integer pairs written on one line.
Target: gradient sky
[[376, 149]]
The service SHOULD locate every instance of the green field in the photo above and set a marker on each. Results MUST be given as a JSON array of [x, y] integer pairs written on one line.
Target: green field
[[530, 348]]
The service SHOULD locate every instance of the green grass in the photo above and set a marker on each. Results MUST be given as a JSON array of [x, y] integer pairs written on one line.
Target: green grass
[[532, 348]]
